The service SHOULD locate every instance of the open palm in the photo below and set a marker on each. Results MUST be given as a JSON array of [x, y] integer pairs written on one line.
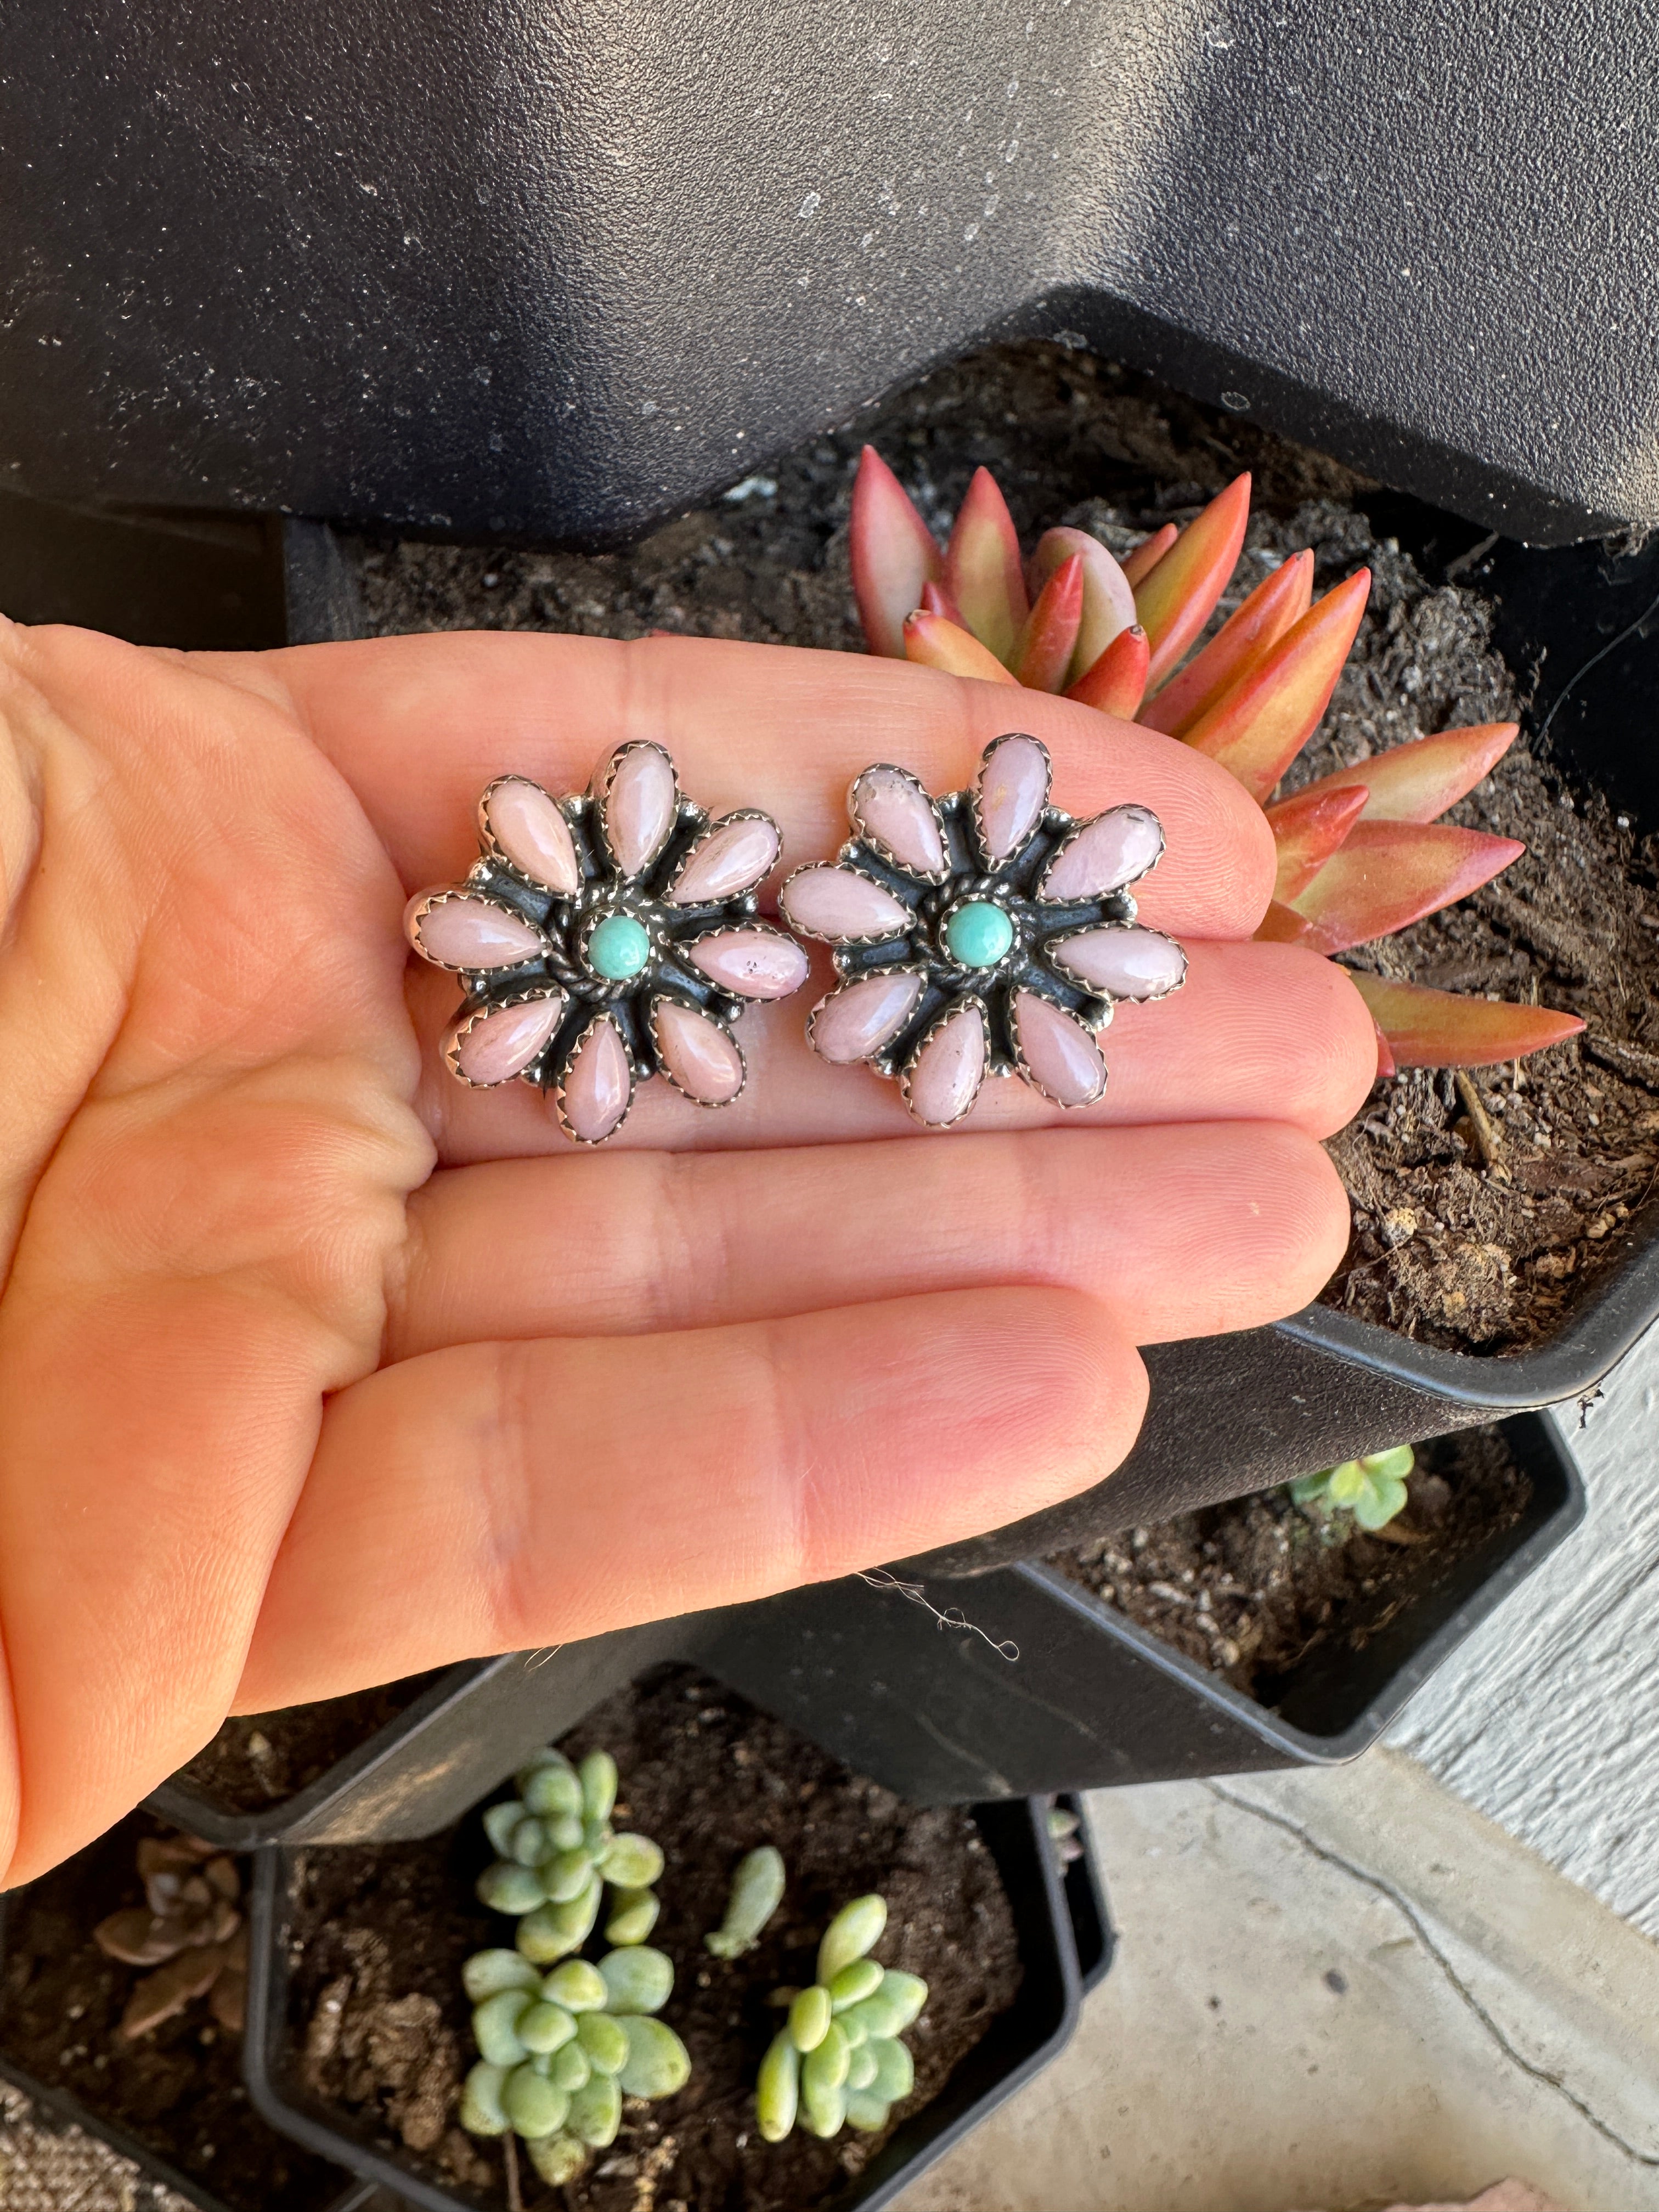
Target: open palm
[[317, 1368]]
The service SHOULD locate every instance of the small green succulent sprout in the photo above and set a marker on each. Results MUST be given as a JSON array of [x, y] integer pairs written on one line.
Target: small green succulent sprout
[[1372, 1489], [556, 1851], [756, 1894], [837, 2061], [560, 2050]]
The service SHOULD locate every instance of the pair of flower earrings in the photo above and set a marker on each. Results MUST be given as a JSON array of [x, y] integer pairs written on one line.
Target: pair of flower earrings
[[605, 939]]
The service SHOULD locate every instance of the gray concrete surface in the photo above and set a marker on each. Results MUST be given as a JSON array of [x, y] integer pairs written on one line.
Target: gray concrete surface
[[1334, 1991]]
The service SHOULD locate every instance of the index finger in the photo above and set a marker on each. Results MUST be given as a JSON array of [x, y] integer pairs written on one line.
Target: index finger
[[418, 725]]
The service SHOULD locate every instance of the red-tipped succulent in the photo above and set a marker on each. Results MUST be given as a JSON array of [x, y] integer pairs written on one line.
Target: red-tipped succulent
[[1361, 853]]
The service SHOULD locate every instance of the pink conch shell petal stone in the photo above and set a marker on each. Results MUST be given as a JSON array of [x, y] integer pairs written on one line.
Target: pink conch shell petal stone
[[470, 934], [751, 963], [700, 1056], [529, 829], [861, 1017], [495, 1046], [1124, 964], [1062, 1057], [944, 1078], [891, 807], [639, 806], [598, 1084], [1013, 790], [1101, 856], [837, 903], [731, 858]]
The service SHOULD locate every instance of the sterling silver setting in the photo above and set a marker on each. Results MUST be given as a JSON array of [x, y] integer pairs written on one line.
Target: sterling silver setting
[[987, 932], [606, 938]]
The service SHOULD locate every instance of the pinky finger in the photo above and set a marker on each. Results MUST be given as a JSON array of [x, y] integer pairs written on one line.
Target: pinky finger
[[491, 1498]]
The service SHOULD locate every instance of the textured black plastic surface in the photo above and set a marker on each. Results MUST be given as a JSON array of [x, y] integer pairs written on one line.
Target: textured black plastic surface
[[460, 1737], [1092, 1701], [1016, 2047], [514, 266]]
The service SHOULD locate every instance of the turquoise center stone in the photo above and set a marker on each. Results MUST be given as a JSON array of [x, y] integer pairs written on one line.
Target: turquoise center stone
[[978, 934], [618, 948]]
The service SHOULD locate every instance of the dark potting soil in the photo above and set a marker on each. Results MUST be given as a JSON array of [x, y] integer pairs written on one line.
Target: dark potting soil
[[1476, 1239], [178, 2089], [258, 1758], [379, 1936], [1249, 1588]]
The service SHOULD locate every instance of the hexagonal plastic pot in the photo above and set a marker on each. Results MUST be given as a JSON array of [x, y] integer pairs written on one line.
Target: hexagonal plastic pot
[[1093, 1701], [1017, 2047]]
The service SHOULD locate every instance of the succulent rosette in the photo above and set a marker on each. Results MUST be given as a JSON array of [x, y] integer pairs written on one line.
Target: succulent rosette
[[605, 938], [983, 933]]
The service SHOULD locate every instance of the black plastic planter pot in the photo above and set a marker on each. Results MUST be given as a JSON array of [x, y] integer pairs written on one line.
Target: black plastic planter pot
[[453, 1743], [554, 271], [1093, 1701], [1017, 2046]]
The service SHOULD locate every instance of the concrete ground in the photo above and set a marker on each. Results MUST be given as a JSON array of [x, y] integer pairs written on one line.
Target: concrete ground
[[1334, 1990]]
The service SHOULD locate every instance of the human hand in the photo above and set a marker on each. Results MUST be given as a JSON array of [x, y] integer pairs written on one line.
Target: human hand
[[318, 1368]]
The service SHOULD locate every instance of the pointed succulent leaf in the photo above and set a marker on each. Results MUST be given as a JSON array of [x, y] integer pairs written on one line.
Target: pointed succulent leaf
[[1438, 1029], [1307, 830], [1179, 597], [983, 570], [1042, 651], [1137, 565], [1386, 875], [1263, 720], [1282, 925], [777, 2088], [1116, 684], [756, 1894], [1386, 1063], [1108, 599], [936, 600], [1280, 600], [893, 554], [1419, 781], [932, 643]]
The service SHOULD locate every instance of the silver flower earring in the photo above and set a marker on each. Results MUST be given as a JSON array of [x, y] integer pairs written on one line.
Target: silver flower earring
[[605, 939], [986, 933]]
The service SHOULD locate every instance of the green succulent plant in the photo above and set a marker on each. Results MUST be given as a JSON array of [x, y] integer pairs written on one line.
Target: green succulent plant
[[756, 1894], [562, 2039], [838, 2061], [1371, 1489], [557, 1851], [559, 2051]]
